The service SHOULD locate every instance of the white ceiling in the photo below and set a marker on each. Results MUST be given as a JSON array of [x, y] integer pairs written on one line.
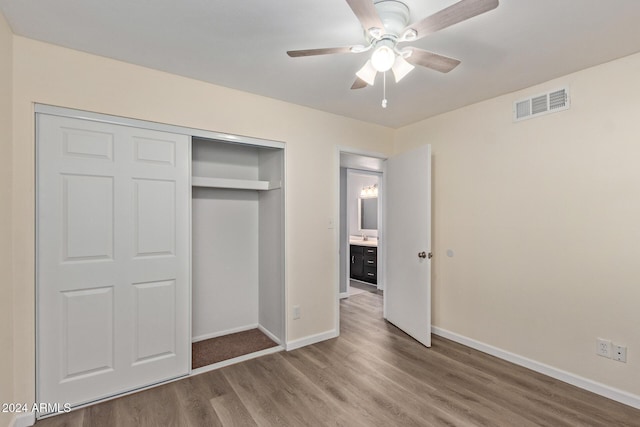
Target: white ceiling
[[242, 45]]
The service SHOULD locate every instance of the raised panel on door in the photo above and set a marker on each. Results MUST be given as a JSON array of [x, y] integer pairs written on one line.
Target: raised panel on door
[[87, 223], [155, 151], [112, 258], [154, 216], [87, 341], [154, 321], [85, 143]]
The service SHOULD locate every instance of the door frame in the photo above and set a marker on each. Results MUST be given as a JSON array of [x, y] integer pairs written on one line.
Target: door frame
[[341, 149]]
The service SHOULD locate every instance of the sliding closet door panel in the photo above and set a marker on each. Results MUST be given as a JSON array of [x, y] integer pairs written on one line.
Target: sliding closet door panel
[[77, 267], [156, 239], [113, 258]]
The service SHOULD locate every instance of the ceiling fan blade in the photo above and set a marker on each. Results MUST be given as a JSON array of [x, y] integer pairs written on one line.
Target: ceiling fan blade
[[366, 13], [444, 64], [451, 15], [314, 52], [359, 84]]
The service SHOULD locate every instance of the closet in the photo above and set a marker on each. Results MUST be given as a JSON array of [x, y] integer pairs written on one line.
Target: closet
[[237, 229], [148, 237]]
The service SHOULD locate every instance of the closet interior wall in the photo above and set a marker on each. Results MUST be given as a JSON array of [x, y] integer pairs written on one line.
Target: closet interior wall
[[237, 239]]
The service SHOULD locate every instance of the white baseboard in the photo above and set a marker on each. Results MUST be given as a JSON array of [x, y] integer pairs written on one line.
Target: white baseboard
[[567, 377], [343, 295], [23, 420], [312, 339], [221, 333], [269, 334]]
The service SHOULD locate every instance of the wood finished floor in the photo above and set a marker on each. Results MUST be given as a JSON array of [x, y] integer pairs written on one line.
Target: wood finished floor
[[372, 375]]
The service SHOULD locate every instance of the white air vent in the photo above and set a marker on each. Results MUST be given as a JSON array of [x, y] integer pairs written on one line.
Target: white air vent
[[551, 102]]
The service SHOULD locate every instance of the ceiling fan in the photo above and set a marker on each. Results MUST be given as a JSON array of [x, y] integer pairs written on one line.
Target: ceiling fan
[[386, 25]]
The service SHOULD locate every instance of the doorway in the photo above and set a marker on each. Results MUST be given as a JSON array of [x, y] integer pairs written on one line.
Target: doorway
[[362, 226], [403, 247], [361, 223]]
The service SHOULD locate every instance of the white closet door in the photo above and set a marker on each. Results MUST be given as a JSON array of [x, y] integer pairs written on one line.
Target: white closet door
[[112, 258]]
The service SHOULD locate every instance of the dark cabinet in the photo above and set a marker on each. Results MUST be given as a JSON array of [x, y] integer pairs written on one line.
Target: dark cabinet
[[364, 263], [357, 262]]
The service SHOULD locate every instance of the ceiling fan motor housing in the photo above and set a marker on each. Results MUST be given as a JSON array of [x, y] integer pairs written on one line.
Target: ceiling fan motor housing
[[394, 16]]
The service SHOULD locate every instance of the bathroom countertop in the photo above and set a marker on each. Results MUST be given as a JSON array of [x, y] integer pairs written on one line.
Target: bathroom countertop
[[358, 241]]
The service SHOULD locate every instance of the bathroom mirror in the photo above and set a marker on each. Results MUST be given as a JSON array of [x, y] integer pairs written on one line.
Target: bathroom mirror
[[368, 214]]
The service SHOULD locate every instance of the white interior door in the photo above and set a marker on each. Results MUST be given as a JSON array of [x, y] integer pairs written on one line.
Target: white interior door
[[112, 258], [408, 242]]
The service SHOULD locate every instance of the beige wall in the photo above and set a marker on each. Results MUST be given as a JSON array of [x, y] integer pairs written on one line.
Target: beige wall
[[542, 214], [6, 308], [544, 220], [48, 74]]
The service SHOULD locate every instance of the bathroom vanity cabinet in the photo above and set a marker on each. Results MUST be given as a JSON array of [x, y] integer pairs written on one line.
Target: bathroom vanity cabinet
[[364, 263]]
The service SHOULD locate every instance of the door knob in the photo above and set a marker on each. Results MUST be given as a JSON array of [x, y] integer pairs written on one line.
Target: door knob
[[422, 254]]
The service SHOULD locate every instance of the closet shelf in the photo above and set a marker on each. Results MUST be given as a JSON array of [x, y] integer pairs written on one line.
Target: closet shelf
[[239, 184]]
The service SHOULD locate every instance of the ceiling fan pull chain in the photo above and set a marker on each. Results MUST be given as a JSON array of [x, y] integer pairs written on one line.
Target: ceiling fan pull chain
[[384, 90]]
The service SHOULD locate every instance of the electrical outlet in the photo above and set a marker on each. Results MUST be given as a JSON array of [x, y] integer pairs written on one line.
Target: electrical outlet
[[604, 348], [296, 313], [620, 353]]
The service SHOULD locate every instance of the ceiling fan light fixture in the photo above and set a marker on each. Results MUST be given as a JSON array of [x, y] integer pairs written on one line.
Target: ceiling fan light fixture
[[367, 73], [383, 58], [401, 67]]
